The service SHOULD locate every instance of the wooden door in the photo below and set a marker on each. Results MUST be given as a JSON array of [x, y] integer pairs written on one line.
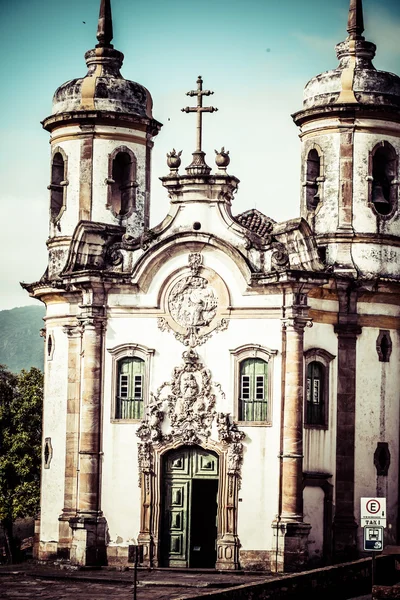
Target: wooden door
[[190, 489]]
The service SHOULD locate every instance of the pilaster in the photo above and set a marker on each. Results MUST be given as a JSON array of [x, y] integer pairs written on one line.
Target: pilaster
[[74, 334], [290, 531], [347, 329], [88, 526]]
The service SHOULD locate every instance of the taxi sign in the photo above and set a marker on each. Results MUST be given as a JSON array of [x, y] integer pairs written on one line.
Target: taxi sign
[[373, 538], [373, 512]]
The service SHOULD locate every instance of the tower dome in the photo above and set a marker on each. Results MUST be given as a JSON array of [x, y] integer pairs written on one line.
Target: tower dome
[[355, 79], [103, 87]]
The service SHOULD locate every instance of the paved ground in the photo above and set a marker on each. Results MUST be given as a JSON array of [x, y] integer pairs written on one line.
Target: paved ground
[[34, 582]]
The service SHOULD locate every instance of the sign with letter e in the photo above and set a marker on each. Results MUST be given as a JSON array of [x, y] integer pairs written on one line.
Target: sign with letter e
[[373, 512], [373, 538]]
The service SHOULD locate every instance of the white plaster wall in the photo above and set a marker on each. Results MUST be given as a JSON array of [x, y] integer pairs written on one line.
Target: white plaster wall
[[54, 426], [377, 259], [377, 420], [313, 501], [260, 467]]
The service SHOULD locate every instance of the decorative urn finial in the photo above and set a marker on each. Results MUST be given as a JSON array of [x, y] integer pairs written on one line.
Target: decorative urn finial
[[174, 161], [222, 159]]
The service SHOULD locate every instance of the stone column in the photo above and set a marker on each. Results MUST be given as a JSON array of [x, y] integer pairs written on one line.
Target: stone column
[[88, 544], [290, 532], [74, 334], [345, 526]]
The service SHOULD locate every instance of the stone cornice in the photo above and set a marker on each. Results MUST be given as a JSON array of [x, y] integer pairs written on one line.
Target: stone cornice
[[85, 117], [348, 111]]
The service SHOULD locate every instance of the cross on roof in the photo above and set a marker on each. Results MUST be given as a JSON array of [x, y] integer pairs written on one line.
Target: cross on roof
[[199, 109]]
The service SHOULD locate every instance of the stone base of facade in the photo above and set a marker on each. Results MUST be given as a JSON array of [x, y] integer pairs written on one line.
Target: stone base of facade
[[88, 545], [228, 553], [291, 549], [344, 540], [47, 551], [118, 556], [255, 560]]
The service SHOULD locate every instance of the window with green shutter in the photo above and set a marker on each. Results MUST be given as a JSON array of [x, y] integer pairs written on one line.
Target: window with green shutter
[[253, 390], [130, 386]]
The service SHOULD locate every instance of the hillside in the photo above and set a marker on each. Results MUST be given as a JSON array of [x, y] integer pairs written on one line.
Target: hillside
[[21, 346]]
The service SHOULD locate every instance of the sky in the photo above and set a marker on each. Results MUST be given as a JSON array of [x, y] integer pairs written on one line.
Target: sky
[[256, 55]]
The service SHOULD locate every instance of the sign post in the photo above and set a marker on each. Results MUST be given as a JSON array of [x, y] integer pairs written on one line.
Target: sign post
[[373, 521]]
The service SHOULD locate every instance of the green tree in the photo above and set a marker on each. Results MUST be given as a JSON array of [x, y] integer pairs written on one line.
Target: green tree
[[21, 399]]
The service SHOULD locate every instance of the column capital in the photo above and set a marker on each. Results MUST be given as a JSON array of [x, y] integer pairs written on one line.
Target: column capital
[[296, 323]]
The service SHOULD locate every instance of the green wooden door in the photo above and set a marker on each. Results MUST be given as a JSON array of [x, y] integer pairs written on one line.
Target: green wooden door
[[190, 488]]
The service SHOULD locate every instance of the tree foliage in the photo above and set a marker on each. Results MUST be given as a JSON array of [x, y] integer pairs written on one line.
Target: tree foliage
[[21, 399]]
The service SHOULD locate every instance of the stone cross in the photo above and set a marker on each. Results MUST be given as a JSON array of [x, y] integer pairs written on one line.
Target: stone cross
[[199, 108]]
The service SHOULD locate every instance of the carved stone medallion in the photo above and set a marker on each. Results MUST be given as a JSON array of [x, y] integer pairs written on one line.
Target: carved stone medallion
[[193, 302], [192, 307]]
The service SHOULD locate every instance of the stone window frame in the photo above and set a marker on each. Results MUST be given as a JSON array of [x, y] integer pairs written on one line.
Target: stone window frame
[[129, 350], [55, 219], [238, 355], [394, 192], [325, 358], [319, 180], [109, 180]]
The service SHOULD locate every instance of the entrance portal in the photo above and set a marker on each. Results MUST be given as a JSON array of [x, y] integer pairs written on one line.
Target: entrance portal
[[189, 516]]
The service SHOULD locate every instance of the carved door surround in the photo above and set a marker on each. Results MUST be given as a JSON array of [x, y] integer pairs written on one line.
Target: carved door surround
[[182, 413]]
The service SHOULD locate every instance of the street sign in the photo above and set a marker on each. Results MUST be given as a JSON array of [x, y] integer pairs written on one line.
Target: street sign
[[373, 512], [373, 538]]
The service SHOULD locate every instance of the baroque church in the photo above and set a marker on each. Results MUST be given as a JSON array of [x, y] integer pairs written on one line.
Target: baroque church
[[220, 389]]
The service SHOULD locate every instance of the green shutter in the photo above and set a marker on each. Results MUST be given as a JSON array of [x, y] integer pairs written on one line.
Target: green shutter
[[253, 401], [130, 388]]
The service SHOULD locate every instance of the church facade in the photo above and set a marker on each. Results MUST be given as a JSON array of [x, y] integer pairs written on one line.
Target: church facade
[[221, 390]]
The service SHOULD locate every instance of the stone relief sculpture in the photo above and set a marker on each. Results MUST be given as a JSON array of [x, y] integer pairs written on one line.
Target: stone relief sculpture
[[192, 304]]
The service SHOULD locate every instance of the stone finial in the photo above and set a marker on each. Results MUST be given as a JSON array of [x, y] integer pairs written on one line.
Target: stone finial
[[222, 159], [105, 27], [355, 23], [174, 160]]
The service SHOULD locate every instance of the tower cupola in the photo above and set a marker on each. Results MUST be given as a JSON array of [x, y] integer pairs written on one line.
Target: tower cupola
[[102, 132], [350, 134]]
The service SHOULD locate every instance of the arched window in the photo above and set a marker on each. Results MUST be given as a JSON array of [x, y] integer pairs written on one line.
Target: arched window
[[58, 185], [315, 407], [383, 179], [122, 182], [312, 186], [317, 388], [130, 388], [130, 381], [253, 370], [313, 175], [253, 400]]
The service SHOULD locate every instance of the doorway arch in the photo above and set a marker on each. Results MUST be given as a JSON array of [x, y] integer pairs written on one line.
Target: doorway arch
[[190, 478]]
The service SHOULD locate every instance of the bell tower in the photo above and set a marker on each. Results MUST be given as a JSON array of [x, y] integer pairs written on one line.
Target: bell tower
[[102, 131], [350, 134]]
